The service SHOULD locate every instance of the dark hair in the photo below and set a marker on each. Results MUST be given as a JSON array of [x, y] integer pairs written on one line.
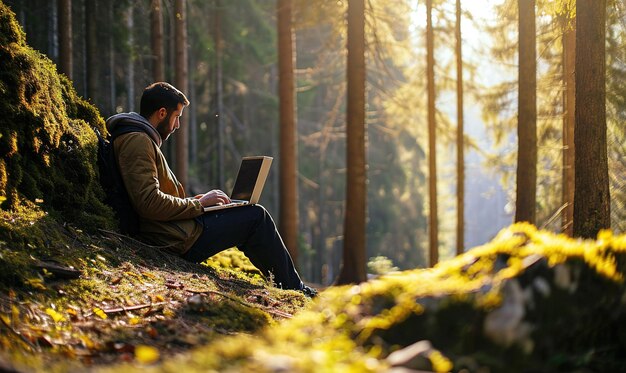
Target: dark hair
[[158, 95]]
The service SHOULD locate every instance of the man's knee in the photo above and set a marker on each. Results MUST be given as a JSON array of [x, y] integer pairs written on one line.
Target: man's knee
[[262, 214], [259, 211]]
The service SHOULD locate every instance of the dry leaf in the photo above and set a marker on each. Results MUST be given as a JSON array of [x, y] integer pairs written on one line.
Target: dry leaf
[[57, 317], [100, 313], [146, 354]]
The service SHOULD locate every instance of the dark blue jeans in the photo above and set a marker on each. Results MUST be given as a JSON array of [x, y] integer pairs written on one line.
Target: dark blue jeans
[[252, 230]]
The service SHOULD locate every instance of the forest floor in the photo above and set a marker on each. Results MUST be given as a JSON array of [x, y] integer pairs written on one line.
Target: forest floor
[[70, 300], [530, 300]]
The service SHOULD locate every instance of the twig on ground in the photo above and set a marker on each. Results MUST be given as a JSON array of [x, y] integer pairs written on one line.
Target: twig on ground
[[268, 310], [129, 308]]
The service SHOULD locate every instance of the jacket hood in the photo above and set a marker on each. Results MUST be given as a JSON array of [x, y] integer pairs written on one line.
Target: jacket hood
[[135, 120]]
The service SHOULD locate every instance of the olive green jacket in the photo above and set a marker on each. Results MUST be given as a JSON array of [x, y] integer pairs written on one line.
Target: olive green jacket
[[166, 216]]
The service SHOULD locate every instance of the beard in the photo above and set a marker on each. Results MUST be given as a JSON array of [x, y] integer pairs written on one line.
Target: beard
[[163, 127]]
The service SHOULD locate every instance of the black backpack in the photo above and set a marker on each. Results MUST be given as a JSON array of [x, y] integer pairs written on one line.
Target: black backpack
[[112, 183]]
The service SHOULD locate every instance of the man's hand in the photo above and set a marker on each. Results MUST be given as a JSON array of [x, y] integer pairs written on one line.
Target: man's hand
[[214, 197]]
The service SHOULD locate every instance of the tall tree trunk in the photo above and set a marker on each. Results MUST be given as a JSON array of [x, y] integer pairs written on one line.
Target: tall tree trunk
[[130, 69], [53, 27], [527, 115], [569, 101], [65, 37], [156, 33], [591, 191], [219, 93], [193, 114], [433, 224], [181, 63], [111, 77], [81, 36], [91, 39], [288, 131], [460, 143], [353, 269]]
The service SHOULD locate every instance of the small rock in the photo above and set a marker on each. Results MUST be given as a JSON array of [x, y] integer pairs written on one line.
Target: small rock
[[414, 356], [505, 325]]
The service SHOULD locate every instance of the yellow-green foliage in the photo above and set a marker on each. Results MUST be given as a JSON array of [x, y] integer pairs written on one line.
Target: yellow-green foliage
[[564, 299], [234, 261], [47, 148]]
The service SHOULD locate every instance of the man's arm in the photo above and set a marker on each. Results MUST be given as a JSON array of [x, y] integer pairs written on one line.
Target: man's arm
[[152, 191]]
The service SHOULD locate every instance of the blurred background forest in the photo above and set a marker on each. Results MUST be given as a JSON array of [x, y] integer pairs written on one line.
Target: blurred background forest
[[232, 69]]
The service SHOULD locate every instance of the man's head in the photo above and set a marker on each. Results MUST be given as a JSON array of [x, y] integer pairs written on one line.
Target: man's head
[[162, 105]]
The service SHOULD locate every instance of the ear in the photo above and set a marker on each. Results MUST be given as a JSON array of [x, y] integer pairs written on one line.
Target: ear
[[162, 113]]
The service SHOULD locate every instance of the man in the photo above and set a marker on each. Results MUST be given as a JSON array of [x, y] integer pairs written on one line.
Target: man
[[168, 218]]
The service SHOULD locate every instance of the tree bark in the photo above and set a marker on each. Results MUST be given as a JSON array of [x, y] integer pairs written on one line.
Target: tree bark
[[288, 131], [460, 146], [353, 269], [591, 191], [527, 115], [219, 93], [433, 221], [111, 73], [91, 40], [130, 67], [156, 33], [569, 101], [181, 63], [65, 37]]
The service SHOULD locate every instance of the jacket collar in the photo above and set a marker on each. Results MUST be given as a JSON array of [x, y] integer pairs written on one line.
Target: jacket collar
[[136, 120]]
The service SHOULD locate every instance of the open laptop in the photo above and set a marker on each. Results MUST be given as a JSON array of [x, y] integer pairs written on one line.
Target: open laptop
[[249, 183]]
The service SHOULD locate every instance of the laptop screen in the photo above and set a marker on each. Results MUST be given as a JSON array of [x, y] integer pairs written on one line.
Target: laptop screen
[[246, 179]]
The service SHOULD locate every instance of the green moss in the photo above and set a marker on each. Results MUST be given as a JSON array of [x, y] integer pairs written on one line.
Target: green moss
[[236, 264], [226, 315], [10, 30], [46, 143]]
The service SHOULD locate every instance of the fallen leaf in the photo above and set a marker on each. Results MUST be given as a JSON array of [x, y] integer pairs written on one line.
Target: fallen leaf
[[15, 313], [152, 332], [146, 354], [87, 342], [100, 312], [36, 283], [169, 313], [5, 319], [57, 317]]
